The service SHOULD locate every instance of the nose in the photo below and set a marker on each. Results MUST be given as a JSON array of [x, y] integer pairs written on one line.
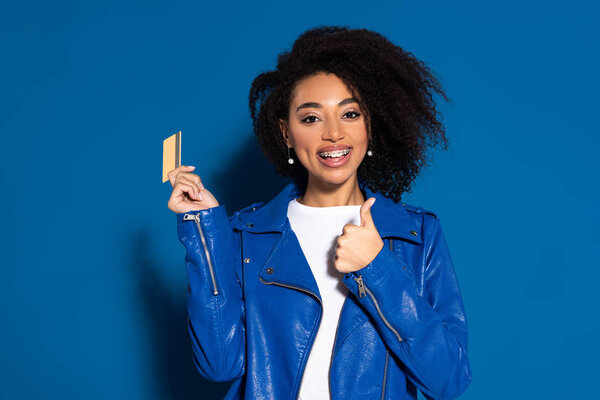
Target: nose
[[332, 130]]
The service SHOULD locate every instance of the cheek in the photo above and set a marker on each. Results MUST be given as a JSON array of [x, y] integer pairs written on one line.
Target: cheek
[[364, 141], [360, 137], [303, 138]]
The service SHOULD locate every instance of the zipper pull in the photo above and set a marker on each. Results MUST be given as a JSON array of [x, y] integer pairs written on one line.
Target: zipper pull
[[188, 217], [361, 286]]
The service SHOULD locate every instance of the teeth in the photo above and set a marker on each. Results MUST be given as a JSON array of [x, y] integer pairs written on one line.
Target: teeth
[[334, 154]]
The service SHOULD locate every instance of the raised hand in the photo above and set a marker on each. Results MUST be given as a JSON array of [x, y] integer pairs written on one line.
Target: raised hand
[[358, 245], [188, 191]]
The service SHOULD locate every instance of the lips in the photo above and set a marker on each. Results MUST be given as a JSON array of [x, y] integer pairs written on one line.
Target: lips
[[334, 156], [334, 148]]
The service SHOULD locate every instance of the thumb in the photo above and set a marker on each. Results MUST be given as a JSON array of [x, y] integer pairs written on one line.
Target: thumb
[[366, 219]]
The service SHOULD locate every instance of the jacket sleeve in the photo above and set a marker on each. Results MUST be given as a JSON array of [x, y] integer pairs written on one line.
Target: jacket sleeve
[[215, 303], [427, 333]]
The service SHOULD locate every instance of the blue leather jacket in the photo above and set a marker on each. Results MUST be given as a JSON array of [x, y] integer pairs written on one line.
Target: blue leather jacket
[[254, 306]]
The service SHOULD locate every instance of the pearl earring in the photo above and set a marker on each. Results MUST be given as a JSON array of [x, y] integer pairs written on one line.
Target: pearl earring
[[369, 153], [290, 159]]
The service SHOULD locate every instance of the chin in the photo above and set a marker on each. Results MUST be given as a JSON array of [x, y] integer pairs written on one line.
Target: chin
[[336, 177]]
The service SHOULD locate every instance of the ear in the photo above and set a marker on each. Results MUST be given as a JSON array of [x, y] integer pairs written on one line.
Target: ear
[[283, 127]]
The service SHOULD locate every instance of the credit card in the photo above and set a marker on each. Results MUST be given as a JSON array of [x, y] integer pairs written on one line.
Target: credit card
[[171, 154]]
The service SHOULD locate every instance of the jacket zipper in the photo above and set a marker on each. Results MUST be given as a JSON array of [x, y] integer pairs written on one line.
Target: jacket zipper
[[363, 290], [387, 355], [319, 327], [387, 352], [196, 217]]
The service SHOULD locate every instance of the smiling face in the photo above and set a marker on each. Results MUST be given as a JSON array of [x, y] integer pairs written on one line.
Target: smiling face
[[326, 128]]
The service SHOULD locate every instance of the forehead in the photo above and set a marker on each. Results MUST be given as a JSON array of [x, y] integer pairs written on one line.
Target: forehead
[[320, 86]]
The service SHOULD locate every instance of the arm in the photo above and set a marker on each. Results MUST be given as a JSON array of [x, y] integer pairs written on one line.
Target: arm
[[428, 334], [215, 299]]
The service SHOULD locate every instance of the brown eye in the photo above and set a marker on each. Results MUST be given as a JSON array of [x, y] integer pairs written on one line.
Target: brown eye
[[355, 114], [305, 120]]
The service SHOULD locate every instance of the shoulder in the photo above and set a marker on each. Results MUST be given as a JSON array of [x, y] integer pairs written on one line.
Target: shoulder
[[431, 227], [419, 211], [428, 220]]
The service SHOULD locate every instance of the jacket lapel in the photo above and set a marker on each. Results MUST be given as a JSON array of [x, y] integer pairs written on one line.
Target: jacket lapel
[[286, 266]]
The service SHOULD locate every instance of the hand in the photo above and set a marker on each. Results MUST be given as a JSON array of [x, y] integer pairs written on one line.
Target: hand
[[188, 191], [357, 246]]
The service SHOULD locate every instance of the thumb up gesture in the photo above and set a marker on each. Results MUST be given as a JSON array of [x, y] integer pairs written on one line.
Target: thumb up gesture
[[358, 245]]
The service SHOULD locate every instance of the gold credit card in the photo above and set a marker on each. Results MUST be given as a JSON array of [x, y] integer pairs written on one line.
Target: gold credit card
[[171, 154]]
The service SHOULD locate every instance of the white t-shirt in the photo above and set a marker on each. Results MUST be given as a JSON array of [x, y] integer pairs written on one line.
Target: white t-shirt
[[317, 230]]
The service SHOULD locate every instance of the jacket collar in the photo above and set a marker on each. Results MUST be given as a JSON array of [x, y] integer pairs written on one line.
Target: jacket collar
[[391, 219]]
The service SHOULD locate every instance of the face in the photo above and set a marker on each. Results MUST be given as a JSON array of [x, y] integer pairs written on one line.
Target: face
[[326, 128]]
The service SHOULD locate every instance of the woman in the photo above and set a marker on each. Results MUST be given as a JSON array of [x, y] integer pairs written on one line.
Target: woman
[[335, 288]]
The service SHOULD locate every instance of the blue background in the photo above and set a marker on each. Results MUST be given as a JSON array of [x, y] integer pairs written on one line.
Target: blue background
[[93, 281]]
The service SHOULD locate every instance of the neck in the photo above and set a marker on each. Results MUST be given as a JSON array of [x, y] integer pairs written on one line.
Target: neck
[[325, 194]]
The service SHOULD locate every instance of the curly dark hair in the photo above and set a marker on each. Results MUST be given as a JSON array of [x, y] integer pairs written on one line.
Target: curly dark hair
[[393, 88]]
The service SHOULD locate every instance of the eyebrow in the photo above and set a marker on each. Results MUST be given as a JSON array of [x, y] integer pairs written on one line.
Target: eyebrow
[[317, 105]]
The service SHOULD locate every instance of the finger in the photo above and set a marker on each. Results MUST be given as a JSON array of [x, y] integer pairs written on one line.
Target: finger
[[186, 180], [194, 178], [173, 173], [340, 266], [347, 228], [190, 190], [366, 219], [337, 264], [185, 189], [179, 191]]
